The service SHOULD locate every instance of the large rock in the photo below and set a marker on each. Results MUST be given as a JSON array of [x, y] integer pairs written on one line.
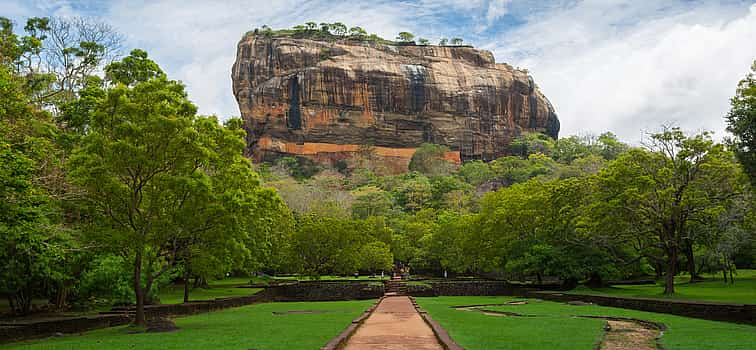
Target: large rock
[[327, 100]]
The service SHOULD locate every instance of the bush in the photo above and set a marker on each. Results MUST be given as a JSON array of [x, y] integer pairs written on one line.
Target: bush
[[108, 281]]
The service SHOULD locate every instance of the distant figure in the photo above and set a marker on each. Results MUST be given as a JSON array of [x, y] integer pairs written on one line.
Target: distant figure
[[444, 273]]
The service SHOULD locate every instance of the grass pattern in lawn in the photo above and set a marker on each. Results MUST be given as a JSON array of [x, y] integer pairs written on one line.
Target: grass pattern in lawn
[[712, 289], [554, 326], [248, 327]]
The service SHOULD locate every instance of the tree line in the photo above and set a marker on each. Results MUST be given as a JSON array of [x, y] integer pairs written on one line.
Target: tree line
[[112, 186], [340, 31]]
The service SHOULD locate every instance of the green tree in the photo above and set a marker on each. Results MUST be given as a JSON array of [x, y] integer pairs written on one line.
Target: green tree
[[339, 29], [443, 42], [476, 172], [322, 245], [741, 122], [326, 28], [657, 191], [414, 192], [429, 160], [148, 167], [456, 41], [530, 143], [35, 247], [372, 202], [357, 33], [375, 256], [423, 41], [133, 69], [405, 37]]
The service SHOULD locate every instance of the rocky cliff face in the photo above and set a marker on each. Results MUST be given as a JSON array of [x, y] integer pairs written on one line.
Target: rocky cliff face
[[326, 100]]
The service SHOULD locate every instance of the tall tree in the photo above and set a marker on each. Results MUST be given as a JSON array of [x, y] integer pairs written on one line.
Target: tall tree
[[658, 190], [741, 122], [147, 166]]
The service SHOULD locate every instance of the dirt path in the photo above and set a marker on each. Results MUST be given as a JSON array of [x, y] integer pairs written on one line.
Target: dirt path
[[394, 325], [626, 335]]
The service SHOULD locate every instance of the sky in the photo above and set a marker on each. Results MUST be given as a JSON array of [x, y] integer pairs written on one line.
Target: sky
[[606, 65]]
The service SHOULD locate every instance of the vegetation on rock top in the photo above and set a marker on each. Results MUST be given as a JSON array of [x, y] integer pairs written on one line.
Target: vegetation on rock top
[[339, 31]]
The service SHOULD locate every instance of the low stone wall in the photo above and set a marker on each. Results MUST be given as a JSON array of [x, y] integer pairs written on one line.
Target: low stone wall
[[325, 291], [13, 332], [119, 316], [461, 288], [202, 306], [739, 313]]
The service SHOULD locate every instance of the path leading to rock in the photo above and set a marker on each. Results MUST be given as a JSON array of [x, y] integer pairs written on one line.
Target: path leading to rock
[[394, 325]]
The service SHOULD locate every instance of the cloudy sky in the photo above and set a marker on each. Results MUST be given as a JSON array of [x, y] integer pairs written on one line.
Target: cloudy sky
[[622, 66]]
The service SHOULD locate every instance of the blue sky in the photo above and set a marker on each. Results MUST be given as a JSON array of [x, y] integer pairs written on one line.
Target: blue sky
[[622, 66]]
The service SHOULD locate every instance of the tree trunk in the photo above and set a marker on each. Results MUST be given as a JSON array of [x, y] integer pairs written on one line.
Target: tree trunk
[[139, 319], [732, 279], [724, 275], [186, 284], [691, 261], [669, 279]]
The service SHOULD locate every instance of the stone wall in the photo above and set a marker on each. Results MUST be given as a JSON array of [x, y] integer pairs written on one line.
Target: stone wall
[[13, 332], [326, 291], [118, 316], [740, 313], [461, 287]]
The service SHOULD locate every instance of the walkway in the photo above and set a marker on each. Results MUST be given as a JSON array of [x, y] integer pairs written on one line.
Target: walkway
[[394, 325]]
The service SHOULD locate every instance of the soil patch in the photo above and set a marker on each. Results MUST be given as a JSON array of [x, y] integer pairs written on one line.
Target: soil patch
[[629, 335], [159, 325]]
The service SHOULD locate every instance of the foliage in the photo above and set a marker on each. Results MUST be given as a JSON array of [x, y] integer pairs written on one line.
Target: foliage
[[405, 37], [429, 160], [164, 186], [741, 122], [375, 256]]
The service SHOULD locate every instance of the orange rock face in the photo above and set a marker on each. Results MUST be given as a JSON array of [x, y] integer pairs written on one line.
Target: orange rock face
[[324, 100]]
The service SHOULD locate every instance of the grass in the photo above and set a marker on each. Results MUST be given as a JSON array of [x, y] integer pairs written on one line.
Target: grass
[[712, 289], [225, 288], [248, 327], [556, 328]]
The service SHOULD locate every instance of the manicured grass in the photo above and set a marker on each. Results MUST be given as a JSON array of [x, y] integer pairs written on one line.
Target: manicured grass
[[712, 289], [249, 327], [555, 326], [174, 294]]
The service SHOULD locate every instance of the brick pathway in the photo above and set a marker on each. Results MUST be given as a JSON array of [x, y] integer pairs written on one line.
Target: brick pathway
[[394, 325]]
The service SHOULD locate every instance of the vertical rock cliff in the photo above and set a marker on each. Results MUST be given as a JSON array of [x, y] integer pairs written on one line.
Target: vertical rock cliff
[[327, 100]]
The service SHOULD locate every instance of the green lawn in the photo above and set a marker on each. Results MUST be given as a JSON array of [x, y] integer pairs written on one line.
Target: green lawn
[[174, 294], [248, 327], [712, 289], [554, 326]]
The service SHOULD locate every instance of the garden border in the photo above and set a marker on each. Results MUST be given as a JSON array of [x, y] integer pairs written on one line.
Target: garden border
[[713, 311], [340, 340], [441, 334]]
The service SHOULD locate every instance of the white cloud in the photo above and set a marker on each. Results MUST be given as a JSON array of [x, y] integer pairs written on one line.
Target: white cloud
[[629, 68], [195, 41], [615, 65], [496, 9]]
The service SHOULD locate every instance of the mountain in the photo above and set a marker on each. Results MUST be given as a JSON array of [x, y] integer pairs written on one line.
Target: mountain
[[328, 100]]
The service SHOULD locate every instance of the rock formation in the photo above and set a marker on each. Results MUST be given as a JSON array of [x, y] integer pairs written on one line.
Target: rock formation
[[327, 100]]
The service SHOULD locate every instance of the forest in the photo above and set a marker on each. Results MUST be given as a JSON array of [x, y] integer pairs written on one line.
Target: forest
[[113, 186]]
